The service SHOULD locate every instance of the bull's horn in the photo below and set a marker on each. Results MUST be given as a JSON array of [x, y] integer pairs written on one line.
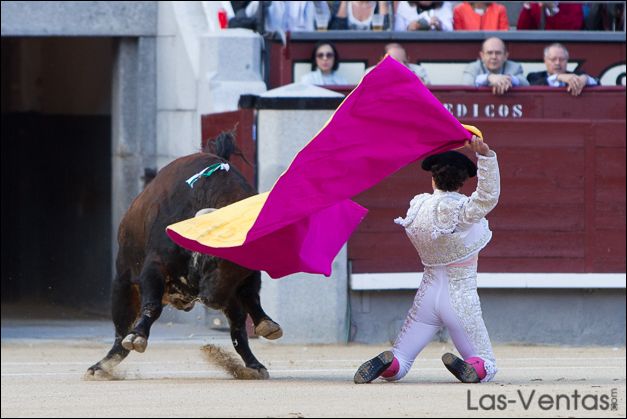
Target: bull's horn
[[204, 211]]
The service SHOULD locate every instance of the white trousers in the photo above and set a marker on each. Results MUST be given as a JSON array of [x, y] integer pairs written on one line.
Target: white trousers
[[447, 296]]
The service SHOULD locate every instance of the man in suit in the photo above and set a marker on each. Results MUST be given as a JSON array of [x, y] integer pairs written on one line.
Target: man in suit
[[556, 74], [494, 69]]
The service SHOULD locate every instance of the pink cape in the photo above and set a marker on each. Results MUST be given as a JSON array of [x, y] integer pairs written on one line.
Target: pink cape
[[389, 121]]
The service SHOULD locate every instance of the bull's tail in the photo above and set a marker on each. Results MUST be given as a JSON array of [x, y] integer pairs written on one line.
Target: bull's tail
[[224, 146]]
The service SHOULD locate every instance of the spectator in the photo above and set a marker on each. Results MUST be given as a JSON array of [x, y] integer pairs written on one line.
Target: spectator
[[480, 16], [605, 17], [494, 69], [240, 19], [324, 65], [357, 15], [551, 15], [424, 15], [283, 16], [556, 61], [397, 52]]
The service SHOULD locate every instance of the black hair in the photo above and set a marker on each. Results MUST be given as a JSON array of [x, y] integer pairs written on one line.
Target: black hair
[[420, 8], [448, 178], [449, 169], [336, 58]]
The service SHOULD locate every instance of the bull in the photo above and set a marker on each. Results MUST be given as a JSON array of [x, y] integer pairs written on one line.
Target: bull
[[152, 271]]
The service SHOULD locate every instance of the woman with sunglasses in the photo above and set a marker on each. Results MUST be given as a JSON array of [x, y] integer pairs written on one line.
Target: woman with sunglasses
[[324, 64]]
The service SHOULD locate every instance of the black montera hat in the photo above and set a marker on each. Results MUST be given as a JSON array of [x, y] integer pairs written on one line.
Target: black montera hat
[[451, 158]]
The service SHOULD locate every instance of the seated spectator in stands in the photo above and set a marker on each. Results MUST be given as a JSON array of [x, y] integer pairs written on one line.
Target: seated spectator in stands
[[397, 52], [240, 19], [480, 16], [324, 64], [494, 69], [424, 16], [604, 16], [551, 15], [293, 16], [357, 15], [556, 61]]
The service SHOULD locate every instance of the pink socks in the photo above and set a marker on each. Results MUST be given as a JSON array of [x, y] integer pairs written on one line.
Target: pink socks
[[392, 369], [477, 363]]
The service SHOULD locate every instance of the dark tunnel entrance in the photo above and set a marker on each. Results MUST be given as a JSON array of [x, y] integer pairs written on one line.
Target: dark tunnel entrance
[[56, 171]]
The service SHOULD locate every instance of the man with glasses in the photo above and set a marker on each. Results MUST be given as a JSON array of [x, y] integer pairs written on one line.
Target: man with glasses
[[557, 75], [494, 69]]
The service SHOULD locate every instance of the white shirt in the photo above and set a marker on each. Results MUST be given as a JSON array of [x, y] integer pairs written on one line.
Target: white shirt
[[405, 14], [317, 78], [482, 80], [354, 23], [290, 15], [553, 81]]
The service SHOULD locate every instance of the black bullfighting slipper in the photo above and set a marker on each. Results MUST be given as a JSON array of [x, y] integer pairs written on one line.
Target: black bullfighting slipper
[[460, 368], [372, 369]]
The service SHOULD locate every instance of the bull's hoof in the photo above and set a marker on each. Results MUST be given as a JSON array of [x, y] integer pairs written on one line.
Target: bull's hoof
[[269, 329], [246, 373], [133, 342], [97, 374]]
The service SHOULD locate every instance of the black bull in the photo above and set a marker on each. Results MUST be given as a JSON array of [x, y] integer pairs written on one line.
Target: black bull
[[152, 271]]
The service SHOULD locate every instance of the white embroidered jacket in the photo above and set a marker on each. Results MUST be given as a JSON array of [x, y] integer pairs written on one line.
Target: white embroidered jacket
[[447, 227]]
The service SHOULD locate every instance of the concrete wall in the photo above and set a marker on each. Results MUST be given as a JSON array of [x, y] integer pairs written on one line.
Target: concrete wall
[[79, 18], [564, 316], [129, 140], [309, 308], [177, 76], [199, 72]]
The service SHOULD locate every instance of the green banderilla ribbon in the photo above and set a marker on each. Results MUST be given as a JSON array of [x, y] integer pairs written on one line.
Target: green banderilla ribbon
[[208, 171]]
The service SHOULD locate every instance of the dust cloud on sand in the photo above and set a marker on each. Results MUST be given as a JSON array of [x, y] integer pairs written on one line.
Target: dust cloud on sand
[[231, 364]]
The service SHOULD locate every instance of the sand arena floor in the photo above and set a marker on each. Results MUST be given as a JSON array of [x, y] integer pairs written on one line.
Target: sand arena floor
[[43, 363]]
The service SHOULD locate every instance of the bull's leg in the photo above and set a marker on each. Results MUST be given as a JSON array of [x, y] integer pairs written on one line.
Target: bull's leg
[[237, 321], [124, 310], [249, 296], [152, 284]]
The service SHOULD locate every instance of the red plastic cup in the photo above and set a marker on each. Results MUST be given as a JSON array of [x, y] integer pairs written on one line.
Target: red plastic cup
[[222, 19]]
